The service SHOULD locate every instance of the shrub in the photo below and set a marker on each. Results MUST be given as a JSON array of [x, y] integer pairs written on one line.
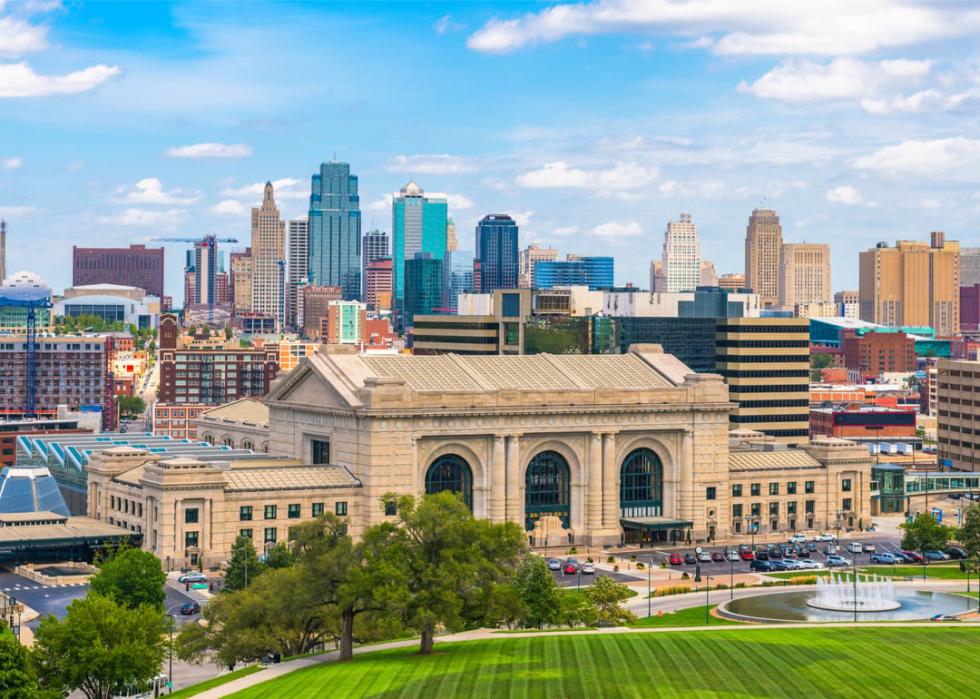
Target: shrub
[[721, 586], [739, 585], [633, 558], [589, 560], [664, 564], [572, 551], [804, 580], [686, 576], [671, 590], [611, 559]]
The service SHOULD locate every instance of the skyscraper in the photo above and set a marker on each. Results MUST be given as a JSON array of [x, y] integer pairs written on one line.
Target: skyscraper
[[763, 253], [452, 242], [424, 291], [374, 246], [912, 284], [298, 268], [681, 256], [240, 264], [205, 269], [804, 274], [530, 256], [496, 248], [268, 250], [377, 291], [459, 276], [418, 224], [3, 249], [335, 229]]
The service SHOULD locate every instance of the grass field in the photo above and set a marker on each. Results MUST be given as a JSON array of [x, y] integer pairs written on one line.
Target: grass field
[[803, 662], [941, 571], [196, 689], [692, 616]]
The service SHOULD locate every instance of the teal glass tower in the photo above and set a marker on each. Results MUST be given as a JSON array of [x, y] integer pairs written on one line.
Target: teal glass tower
[[335, 229], [418, 224]]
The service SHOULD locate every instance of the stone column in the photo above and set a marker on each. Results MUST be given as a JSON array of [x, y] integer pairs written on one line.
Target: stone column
[[515, 480], [499, 494], [685, 488], [610, 482], [595, 487]]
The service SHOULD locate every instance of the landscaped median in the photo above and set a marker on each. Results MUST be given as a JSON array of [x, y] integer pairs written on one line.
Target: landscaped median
[[195, 689]]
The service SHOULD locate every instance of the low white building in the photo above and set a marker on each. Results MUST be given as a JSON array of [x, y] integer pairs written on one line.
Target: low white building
[[112, 303]]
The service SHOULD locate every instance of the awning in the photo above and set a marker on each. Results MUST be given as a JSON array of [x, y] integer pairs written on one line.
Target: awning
[[650, 524]]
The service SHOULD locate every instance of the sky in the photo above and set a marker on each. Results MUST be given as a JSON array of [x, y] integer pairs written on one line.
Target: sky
[[592, 123]]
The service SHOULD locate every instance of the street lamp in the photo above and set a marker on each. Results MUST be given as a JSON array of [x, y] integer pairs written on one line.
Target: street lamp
[[707, 599], [731, 575]]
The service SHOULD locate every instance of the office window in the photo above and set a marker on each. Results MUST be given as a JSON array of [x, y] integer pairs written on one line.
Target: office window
[[809, 506], [245, 513], [293, 512], [247, 533], [755, 489], [773, 508], [317, 509], [791, 488], [190, 515], [774, 488], [846, 504], [320, 451], [756, 509], [737, 490], [190, 539], [737, 511], [808, 487], [710, 493], [270, 535], [391, 509], [270, 511], [845, 485], [340, 509]]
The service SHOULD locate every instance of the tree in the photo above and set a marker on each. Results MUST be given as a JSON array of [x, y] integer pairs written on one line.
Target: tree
[[576, 609], [605, 594], [442, 563], [132, 577], [279, 556], [18, 679], [228, 332], [101, 648], [969, 533], [820, 361], [925, 533], [132, 405], [243, 567], [538, 592]]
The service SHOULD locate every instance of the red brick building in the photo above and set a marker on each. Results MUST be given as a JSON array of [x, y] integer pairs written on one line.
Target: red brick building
[[377, 284], [136, 265], [863, 423], [875, 353], [970, 308]]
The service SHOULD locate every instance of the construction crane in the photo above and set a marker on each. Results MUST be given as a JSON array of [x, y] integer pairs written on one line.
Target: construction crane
[[30, 298], [193, 240]]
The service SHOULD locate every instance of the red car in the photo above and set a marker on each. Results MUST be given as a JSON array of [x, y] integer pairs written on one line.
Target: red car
[[916, 557], [571, 567], [676, 560], [746, 555]]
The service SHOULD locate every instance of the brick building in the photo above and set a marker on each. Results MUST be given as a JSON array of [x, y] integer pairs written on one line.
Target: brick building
[[970, 308], [863, 423], [316, 304], [958, 413], [870, 355], [136, 265]]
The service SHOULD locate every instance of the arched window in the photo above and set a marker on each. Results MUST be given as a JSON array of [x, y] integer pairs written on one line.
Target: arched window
[[641, 490], [546, 489], [246, 444], [450, 472], [209, 438], [228, 442]]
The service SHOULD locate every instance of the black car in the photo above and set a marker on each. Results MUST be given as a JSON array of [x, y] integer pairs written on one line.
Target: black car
[[812, 547], [718, 557], [761, 556], [761, 566], [690, 559], [803, 552], [190, 609], [778, 565], [956, 553]]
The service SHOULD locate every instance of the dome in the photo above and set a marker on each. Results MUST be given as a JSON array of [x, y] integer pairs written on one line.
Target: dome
[[411, 189], [30, 489], [25, 279]]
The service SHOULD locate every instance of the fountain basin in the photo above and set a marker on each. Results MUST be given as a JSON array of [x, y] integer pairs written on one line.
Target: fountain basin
[[862, 606], [914, 605]]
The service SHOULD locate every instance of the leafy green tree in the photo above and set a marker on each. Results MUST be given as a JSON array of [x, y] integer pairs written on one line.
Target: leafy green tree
[[576, 610], [969, 533], [820, 361], [132, 577], [18, 679], [244, 566], [924, 533], [131, 405], [605, 594], [441, 562], [538, 592], [100, 648], [279, 556]]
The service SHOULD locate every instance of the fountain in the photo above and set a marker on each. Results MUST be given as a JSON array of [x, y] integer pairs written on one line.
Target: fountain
[[869, 594]]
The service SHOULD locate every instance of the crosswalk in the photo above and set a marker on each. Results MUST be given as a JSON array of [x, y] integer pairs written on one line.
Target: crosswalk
[[16, 588]]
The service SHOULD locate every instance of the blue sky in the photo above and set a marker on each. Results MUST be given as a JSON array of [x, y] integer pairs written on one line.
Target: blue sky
[[592, 123]]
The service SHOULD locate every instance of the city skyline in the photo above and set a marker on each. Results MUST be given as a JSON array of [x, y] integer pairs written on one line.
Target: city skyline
[[852, 137]]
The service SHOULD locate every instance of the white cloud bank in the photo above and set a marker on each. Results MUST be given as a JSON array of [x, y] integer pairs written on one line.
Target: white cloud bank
[[20, 80], [150, 191], [438, 164], [846, 195], [616, 231], [210, 150], [561, 175], [953, 158]]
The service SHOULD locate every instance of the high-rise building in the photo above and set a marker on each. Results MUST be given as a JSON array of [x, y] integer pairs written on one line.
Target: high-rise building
[[418, 224], [732, 281], [205, 269], [912, 284], [316, 301], [847, 304], [681, 255], [424, 292], [763, 252], [459, 277], [377, 292], [576, 270], [969, 266], [452, 242], [970, 308], [529, 257], [136, 265], [374, 246], [3, 249], [496, 247], [709, 275], [804, 274], [335, 229], [268, 252], [241, 280], [658, 281], [297, 268], [958, 414], [344, 323]]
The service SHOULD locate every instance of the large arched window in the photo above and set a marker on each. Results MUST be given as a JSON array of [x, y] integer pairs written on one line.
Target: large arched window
[[546, 489], [247, 444], [641, 490], [452, 473]]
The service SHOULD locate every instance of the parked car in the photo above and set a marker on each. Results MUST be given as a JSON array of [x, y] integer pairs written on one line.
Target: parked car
[[733, 555], [554, 564], [571, 567], [902, 557], [746, 555], [798, 539], [912, 556], [760, 566], [777, 565], [761, 556], [868, 548], [190, 609], [791, 564], [675, 559], [956, 553], [883, 558], [803, 552], [837, 562], [807, 564], [690, 559], [825, 536], [704, 557], [812, 547], [718, 557], [936, 556], [193, 578], [588, 569], [831, 549], [943, 617]]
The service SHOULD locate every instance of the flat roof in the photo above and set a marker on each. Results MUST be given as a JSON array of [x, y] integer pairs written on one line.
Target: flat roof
[[73, 528], [655, 523]]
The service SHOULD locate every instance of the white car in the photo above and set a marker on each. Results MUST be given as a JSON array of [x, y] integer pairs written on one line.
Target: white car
[[704, 557], [791, 564], [588, 569], [798, 539], [825, 536]]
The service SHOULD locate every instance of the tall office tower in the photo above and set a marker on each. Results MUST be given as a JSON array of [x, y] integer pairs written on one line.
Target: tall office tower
[[912, 284], [681, 256], [205, 269], [530, 256], [241, 280], [496, 248], [297, 268], [969, 266], [575, 270], [452, 242], [377, 292], [418, 224], [763, 249], [804, 274], [424, 292], [848, 304], [731, 281], [268, 250], [658, 281], [136, 265], [459, 277], [709, 275], [3, 249], [374, 246], [222, 289], [335, 229]]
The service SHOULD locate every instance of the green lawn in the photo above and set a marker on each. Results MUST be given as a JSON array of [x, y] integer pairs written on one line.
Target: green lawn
[[692, 616], [940, 571], [195, 689], [811, 662]]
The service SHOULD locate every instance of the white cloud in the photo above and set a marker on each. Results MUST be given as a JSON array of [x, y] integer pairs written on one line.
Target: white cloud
[[18, 37], [747, 27], [944, 158], [564, 231], [845, 194], [144, 217], [11, 163], [211, 150], [930, 203], [562, 175], [17, 211], [232, 207], [446, 24], [522, 218], [284, 188], [615, 231], [382, 203], [20, 80], [150, 191], [458, 202], [439, 164]]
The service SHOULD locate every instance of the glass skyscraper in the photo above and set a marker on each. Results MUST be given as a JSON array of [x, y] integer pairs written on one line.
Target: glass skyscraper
[[335, 229], [418, 224], [496, 248], [424, 290], [459, 276], [593, 272]]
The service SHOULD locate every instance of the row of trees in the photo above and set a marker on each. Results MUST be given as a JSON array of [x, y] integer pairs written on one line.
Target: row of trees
[[924, 533]]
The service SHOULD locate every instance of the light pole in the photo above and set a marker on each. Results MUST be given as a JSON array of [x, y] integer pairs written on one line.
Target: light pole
[[649, 600], [731, 576], [707, 599]]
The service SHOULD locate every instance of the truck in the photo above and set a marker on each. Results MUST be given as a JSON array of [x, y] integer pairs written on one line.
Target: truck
[[904, 448]]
